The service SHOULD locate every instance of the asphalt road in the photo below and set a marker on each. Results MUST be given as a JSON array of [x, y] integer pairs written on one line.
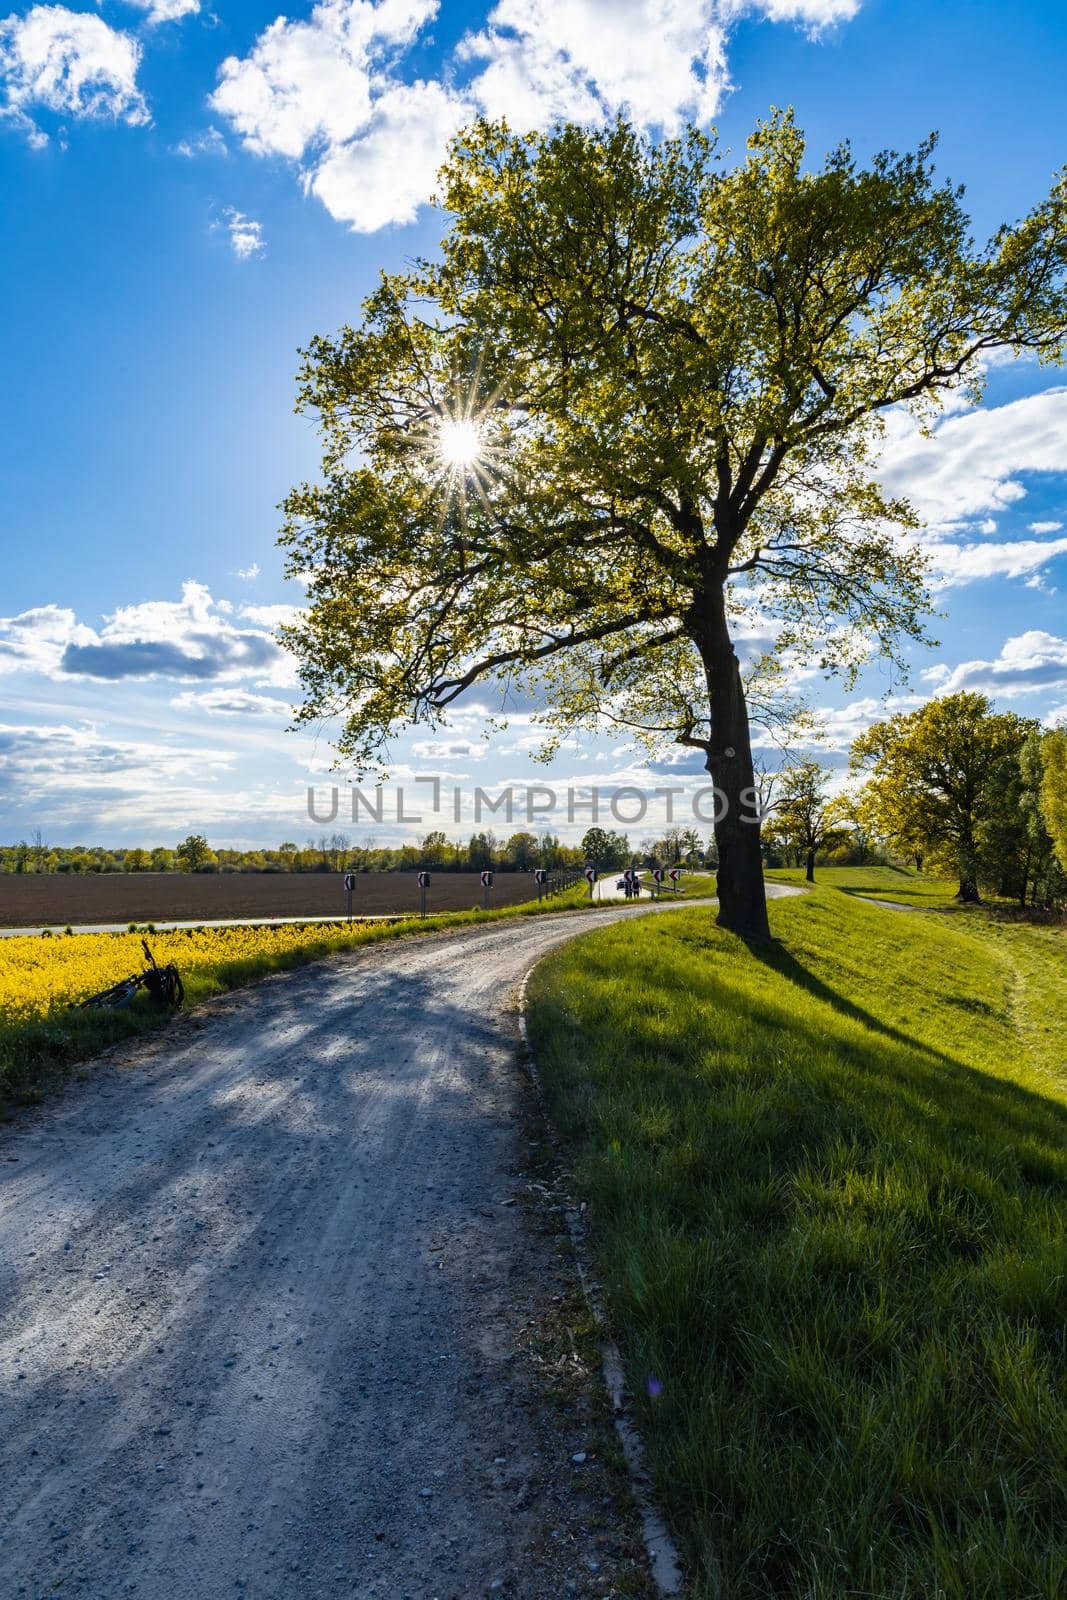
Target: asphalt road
[[264, 1297]]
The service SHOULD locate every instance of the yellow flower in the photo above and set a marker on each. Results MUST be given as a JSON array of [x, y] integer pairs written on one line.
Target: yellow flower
[[39, 976]]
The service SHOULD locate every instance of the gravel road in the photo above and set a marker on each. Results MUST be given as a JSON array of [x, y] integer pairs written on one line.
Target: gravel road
[[271, 1288]]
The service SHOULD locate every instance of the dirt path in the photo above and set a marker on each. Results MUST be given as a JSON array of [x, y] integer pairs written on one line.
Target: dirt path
[[265, 1304]]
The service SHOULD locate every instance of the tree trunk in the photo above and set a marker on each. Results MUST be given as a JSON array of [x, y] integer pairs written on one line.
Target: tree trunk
[[968, 890], [809, 866], [1026, 877], [742, 901]]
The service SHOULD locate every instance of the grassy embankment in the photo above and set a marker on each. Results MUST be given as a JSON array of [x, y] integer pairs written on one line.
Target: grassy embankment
[[41, 975], [828, 1185], [895, 884]]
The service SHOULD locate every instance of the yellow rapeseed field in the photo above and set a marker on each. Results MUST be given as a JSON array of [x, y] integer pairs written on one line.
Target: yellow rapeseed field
[[42, 974]]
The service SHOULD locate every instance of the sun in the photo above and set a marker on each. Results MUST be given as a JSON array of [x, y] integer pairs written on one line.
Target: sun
[[459, 443]]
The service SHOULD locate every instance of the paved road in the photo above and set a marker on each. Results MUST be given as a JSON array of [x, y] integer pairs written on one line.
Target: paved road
[[606, 888], [263, 1301]]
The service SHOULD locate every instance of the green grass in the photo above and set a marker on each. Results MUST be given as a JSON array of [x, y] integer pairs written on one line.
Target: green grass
[[827, 1185], [898, 884]]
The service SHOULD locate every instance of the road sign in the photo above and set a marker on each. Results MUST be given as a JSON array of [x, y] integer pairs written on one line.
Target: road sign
[[657, 873], [424, 880], [590, 874], [540, 875], [487, 879], [350, 881], [674, 874]]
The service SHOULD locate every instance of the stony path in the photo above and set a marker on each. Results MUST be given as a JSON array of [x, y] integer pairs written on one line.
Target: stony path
[[265, 1303]]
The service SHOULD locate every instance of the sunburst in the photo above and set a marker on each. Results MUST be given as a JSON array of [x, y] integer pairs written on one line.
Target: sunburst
[[461, 440], [460, 443], [461, 450]]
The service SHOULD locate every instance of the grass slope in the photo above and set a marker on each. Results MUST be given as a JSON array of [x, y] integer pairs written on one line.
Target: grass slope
[[828, 1187], [895, 884]]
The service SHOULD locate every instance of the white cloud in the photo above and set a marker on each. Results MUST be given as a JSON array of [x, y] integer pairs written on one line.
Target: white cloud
[[658, 61], [272, 616], [840, 725], [246, 235], [231, 703], [971, 464], [384, 175], [1044, 527], [328, 92], [448, 750], [35, 640], [208, 143], [249, 573], [189, 639], [954, 564], [166, 10], [1029, 663], [308, 83], [49, 758], [322, 90], [817, 14], [70, 63]]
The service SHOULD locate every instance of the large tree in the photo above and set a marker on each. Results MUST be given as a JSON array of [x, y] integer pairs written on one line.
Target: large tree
[[937, 779], [625, 419]]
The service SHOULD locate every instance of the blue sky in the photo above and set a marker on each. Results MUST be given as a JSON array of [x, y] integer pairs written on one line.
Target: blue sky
[[187, 194]]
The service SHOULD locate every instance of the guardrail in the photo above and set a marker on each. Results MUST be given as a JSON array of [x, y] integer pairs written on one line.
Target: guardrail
[[557, 882]]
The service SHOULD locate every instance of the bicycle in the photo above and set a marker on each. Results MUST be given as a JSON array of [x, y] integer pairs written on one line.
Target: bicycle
[[163, 985]]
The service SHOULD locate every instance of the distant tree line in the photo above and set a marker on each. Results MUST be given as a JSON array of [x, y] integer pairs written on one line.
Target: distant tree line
[[328, 853], [521, 852]]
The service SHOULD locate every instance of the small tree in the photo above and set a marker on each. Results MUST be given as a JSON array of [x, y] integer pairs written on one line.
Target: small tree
[[934, 779], [434, 849], [609, 851], [522, 851], [690, 842], [596, 845], [339, 847], [855, 823], [194, 852], [481, 850], [136, 861], [804, 816], [635, 381]]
